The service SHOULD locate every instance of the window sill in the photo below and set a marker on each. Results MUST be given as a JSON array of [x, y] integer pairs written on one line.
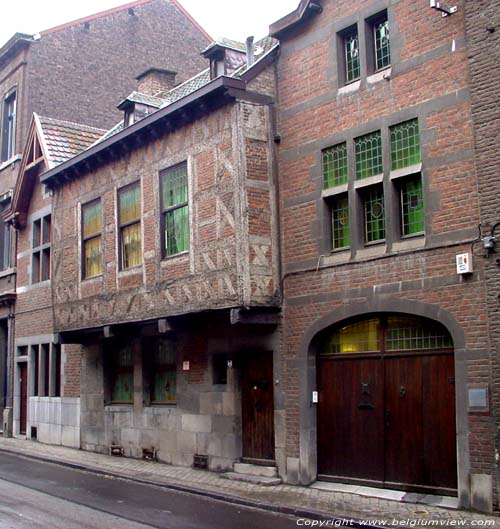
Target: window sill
[[161, 404], [369, 181], [33, 286], [92, 278], [119, 407], [168, 258], [130, 271], [340, 256], [10, 161], [409, 242], [336, 190], [405, 171], [7, 272], [379, 76], [372, 249], [349, 88]]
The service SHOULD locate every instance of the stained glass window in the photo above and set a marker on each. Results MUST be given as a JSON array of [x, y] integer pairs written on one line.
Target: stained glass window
[[412, 206], [130, 226], [359, 337], [175, 209], [340, 222], [382, 47], [368, 155], [405, 144], [164, 371], [92, 239], [374, 214], [351, 48], [335, 165]]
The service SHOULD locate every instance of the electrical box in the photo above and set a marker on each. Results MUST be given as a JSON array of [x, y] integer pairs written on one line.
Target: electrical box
[[464, 263]]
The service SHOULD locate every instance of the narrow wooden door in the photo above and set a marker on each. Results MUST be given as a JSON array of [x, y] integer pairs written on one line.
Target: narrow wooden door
[[24, 398], [257, 407], [350, 418]]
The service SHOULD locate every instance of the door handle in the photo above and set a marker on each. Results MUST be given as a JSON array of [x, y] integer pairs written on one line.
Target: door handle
[[387, 418]]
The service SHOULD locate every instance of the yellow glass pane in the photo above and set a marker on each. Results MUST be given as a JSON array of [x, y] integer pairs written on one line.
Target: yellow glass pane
[[130, 205], [93, 257], [362, 337], [92, 221], [131, 245]]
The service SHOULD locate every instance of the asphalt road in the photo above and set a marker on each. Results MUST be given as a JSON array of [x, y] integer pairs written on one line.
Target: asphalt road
[[36, 495]]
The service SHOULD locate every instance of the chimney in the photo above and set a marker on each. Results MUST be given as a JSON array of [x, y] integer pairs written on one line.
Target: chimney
[[156, 80], [249, 51]]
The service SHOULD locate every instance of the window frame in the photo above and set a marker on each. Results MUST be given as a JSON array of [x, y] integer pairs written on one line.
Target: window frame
[[371, 31], [87, 238], [158, 367], [166, 210], [351, 31], [40, 252], [121, 227], [116, 370], [9, 126]]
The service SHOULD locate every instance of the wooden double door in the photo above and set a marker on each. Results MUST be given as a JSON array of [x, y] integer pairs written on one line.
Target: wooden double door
[[388, 420]]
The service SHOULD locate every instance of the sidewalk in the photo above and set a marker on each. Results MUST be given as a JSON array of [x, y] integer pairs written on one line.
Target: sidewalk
[[304, 502]]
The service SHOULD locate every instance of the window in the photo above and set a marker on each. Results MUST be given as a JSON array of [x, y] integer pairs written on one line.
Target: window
[[9, 127], [4, 246], [380, 28], [335, 165], [92, 239], [40, 260], [57, 369], [175, 210], [45, 366], [368, 155], [351, 54], [129, 204], [164, 372], [412, 205], [340, 222], [122, 374], [373, 205], [405, 144]]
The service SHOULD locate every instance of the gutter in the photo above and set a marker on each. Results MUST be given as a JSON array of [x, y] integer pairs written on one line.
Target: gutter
[[305, 10], [220, 84]]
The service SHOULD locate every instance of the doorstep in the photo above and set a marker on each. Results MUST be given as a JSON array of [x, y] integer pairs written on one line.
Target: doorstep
[[448, 502]]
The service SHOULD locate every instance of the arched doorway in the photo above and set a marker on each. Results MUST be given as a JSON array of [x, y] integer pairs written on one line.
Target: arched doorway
[[386, 410]]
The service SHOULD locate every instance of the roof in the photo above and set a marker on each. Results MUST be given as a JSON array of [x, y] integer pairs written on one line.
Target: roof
[[305, 9], [63, 140], [225, 43], [13, 45], [198, 87], [144, 99]]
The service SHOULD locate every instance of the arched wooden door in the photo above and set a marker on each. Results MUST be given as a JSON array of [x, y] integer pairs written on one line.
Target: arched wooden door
[[386, 410]]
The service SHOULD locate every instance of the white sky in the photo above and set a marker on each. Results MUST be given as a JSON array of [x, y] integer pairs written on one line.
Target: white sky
[[235, 19]]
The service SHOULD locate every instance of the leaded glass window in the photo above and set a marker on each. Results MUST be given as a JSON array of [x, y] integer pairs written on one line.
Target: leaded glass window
[[412, 206], [374, 214], [382, 47], [359, 337], [130, 226], [407, 333], [368, 155], [174, 185], [123, 375], [334, 160], [405, 144], [351, 49], [340, 222], [164, 373], [92, 239]]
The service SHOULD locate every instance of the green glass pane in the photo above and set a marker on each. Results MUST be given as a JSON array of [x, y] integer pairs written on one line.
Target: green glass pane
[[334, 161], [368, 155], [123, 388], [164, 386], [340, 223], [412, 206], [351, 48], [374, 214], [405, 144], [130, 204], [382, 47], [177, 230], [175, 186]]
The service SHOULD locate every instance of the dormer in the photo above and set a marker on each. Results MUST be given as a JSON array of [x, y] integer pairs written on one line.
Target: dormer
[[225, 56]]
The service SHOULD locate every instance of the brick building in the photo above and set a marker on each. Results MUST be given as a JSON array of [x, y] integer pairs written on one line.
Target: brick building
[[75, 72], [378, 195], [165, 266]]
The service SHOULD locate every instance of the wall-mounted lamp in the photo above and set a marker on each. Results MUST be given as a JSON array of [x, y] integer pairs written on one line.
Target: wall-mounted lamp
[[445, 11]]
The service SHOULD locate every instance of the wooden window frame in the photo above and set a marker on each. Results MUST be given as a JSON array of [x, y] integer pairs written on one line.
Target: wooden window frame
[[95, 235], [41, 252], [121, 226], [8, 131]]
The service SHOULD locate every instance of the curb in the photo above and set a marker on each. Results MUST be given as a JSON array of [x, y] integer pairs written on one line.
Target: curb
[[298, 512]]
